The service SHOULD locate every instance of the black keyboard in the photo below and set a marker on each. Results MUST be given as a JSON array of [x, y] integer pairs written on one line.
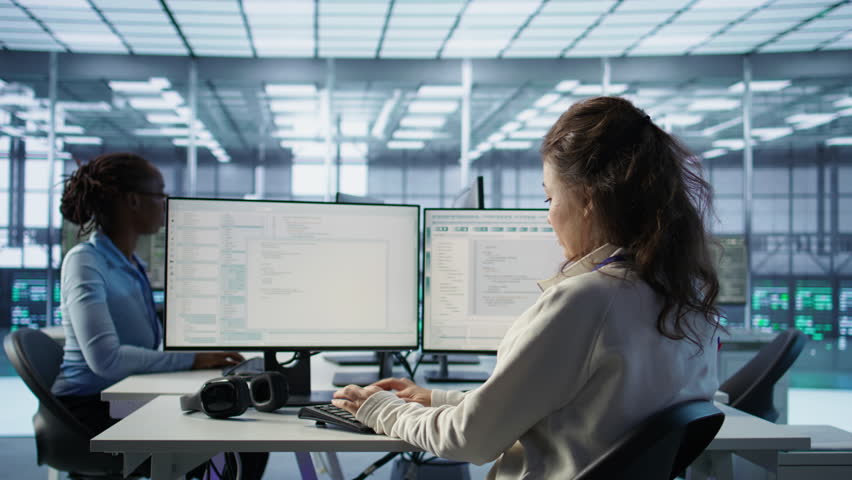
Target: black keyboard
[[329, 414]]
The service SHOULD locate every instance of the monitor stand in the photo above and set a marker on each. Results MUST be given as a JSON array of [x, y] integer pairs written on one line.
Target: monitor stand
[[443, 374], [373, 359], [341, 379], [298, 380]]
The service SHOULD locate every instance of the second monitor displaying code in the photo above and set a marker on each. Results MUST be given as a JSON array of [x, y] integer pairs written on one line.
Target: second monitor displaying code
[[481, 269], [290, 274]]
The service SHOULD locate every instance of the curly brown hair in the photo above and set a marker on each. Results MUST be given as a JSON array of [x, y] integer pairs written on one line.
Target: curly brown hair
[[648, 196], [90, 193]]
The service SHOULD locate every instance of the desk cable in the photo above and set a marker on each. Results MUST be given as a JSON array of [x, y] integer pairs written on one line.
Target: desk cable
[[403, 360]]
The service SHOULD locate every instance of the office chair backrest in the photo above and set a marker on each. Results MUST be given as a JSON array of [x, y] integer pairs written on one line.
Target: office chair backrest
[[661, 447], [62, 441], [751, 388]]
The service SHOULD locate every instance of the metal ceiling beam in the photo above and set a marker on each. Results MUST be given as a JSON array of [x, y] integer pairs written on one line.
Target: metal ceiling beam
[[799, 25], [41, 24], [111, 27], [452, 29], [388, 14], [247, 26], [503, 72], [591, 27], [522, 27], [168, 12]]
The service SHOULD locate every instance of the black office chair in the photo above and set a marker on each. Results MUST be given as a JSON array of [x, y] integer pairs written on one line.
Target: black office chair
[[62, 442], [751, 388], [661, 447]]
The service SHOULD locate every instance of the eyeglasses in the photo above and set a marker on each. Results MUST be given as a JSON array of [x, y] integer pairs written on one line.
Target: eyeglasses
[[160, 195]]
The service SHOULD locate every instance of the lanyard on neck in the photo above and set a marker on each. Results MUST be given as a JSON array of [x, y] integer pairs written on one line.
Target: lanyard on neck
[[608, 260]]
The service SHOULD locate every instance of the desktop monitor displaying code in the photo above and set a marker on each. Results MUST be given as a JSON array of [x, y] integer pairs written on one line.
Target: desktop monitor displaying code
[[770, 305], [480, 272], [813, 312], [732, 269], [28, 293], [844, 310], [290, 275]]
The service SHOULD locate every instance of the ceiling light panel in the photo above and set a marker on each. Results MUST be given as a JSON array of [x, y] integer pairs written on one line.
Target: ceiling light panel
[[181, 6], [630, 30], [716, 17], [54, 3], [728, 4], [786, 13], [649, 19], [657, 6], [206, 19], [551, 33], [124, 16], [444, 7], [789, 47], [537, 44], [124, 5], [754, 28], [176, 50], [577, 8], [430, 22], [432, 106], [403, 34], [145, 29], [501, 7], [340, 21], [557, 21], [431, 46], [22, 25], [802, 35], [355, 8], [41, 36], [154, 42], [405, 53], [226, 43]]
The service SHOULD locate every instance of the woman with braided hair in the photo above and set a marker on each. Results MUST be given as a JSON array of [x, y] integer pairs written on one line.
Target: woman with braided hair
[[111, 327]]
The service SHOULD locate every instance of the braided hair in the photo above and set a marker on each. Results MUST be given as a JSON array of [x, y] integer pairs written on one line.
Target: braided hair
[[91, 192]]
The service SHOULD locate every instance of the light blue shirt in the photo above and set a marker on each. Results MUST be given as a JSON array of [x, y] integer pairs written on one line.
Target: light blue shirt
[[111, 327]]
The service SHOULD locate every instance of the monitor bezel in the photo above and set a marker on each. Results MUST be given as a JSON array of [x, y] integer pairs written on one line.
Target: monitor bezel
[[285, 348], [349, 198], [423, 276]]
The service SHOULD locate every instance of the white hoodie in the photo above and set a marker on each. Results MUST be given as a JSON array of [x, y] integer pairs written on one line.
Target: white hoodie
[[575, 371]]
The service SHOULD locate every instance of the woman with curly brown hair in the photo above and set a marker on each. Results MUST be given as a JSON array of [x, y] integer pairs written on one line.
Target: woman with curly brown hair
[[626, 328]]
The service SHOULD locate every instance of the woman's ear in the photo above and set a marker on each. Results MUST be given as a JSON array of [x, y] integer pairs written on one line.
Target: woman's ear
[[587, 210], [133, 201]]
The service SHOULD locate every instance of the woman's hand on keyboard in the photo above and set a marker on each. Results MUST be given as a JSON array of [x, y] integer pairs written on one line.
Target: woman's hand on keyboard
[[407, 390], [351, 397], [216, 359]]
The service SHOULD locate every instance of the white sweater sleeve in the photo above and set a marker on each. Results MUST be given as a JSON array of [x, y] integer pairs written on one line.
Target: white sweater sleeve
[[446, 397], [545, 367]]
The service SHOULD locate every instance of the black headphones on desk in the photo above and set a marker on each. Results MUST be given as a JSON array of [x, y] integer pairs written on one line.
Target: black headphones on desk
[[230, 396]]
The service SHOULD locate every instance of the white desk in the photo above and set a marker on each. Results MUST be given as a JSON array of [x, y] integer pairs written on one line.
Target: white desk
[[750, 437], [177, 441], [830, 455], [136, 391]]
